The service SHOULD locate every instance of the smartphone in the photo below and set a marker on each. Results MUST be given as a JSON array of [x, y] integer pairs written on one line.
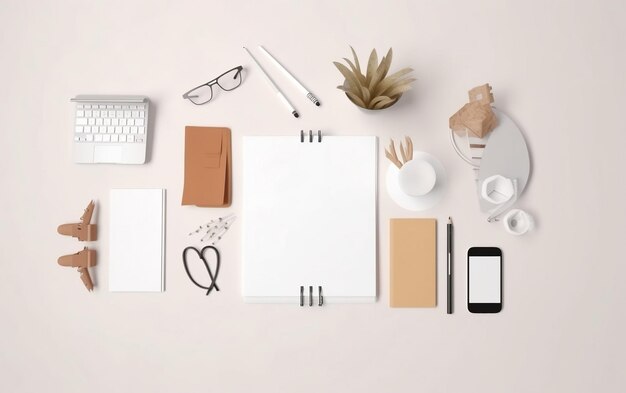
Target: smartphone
[[484, 280]]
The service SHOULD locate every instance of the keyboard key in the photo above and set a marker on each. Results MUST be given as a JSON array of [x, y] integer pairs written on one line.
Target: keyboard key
[[98, 138], [76, 138], [87, 129], [135, 114], [115, 122], [107, 122], [118, 129], [88, 114], [130, 122], [133, 130], [89, 138], [99, 121], [119, 113], [141, 106], [79, 106], [114, 138], [102, 106], [122, 122], [111, 113], [92, 121], [131, 138], [110, 129], [142, 129], [81, 121], [80, 113], [126, 130], [122, 138], [79, 129], [139, 122], [117, 106], [142, 114], [133, 107], [95, 113], [106, 138], [138, 139], [87, 106], [125, 107], [102, 130], [110, 106], [127, 114]]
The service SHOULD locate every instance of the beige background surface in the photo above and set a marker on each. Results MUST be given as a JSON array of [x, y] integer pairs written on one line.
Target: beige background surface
[[557, 68]]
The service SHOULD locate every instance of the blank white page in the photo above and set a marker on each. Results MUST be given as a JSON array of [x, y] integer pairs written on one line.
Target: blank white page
[[137, 234], [309, 218]]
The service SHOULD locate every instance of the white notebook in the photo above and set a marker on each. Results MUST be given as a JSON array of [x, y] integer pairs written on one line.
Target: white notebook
[[309, 219], [137, 240]]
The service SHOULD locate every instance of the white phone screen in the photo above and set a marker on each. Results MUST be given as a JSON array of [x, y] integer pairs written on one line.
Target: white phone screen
[[484, 279]]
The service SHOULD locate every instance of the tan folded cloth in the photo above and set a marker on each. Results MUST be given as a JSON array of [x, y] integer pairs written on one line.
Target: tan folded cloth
[[207, 167]]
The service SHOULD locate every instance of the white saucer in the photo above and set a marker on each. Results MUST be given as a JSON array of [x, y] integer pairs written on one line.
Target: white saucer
[[417, 203]]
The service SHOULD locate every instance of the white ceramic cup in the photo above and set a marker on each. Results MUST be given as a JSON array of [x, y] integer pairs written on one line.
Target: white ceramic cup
[[497, 189], [417, 177]]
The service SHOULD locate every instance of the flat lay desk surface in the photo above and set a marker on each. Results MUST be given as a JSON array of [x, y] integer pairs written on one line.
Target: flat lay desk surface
[[556, 68]]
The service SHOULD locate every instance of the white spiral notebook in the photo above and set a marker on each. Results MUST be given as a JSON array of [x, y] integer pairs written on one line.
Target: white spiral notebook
[[309, 219]]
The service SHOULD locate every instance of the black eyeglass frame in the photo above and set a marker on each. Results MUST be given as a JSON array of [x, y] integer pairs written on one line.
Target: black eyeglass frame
[[215, 82]]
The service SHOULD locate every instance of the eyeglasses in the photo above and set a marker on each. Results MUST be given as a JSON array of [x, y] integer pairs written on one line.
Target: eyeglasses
[[230, 80]]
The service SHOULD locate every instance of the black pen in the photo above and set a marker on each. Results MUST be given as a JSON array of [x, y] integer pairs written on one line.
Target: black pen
[[449, 269]]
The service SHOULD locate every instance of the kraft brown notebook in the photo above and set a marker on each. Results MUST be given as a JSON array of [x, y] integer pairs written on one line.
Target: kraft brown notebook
[[207, 167], [413, 262]]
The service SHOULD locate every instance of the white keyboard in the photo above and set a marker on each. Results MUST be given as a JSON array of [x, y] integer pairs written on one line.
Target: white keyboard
[[111, 129]]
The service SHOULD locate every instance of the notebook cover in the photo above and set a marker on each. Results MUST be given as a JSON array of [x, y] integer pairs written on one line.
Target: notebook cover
[[207, 167], [413, 262], [136, 240], [309, 219]]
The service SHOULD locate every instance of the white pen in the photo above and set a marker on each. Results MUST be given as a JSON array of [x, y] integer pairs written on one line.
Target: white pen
[[293, 79], [279, 93]]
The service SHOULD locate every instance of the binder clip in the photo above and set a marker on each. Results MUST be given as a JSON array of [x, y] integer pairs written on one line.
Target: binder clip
[[82, 260], [83, 230]]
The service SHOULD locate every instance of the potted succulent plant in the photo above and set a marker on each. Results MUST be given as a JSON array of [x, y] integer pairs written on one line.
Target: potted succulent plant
[[375, 89]]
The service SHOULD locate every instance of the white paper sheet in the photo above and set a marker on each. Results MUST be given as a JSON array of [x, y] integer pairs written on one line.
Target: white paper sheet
[[309, 218], [137, 240]]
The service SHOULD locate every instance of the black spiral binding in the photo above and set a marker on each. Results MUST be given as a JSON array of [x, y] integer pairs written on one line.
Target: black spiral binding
[[319, 136], [319, 288], [319, 295]]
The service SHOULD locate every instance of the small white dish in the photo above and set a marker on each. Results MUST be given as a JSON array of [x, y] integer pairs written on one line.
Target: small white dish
[[397, 192], [518, 222]]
